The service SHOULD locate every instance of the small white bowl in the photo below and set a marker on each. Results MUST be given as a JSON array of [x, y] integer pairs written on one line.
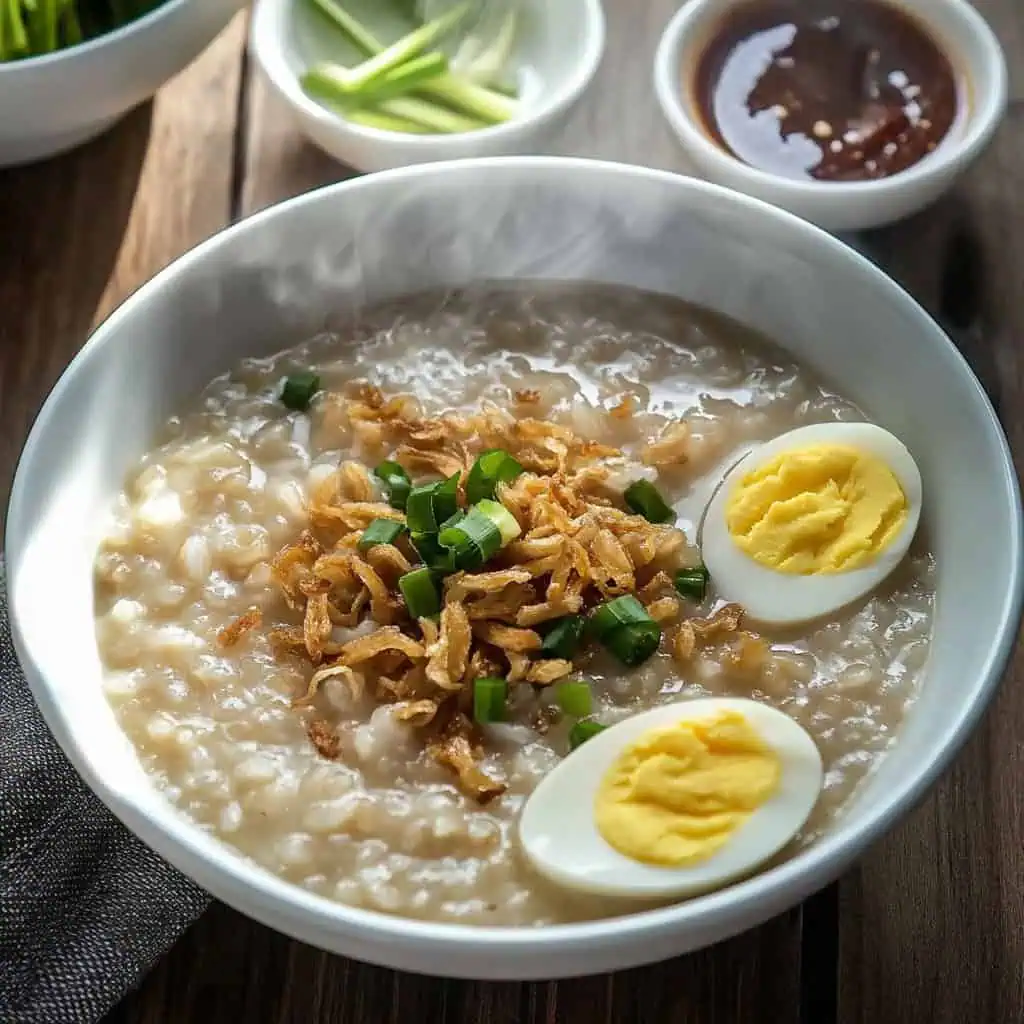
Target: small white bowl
[[842, 206], [557, 55], [51, 104]]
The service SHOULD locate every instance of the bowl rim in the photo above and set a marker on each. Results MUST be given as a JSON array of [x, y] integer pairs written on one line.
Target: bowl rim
[[282, 904], [983, 117], [267, 49], [117, 35]]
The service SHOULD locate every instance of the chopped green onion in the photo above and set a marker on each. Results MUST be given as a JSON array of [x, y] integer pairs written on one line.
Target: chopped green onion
[[489, 699], [643, 498], [398, 53], [472, 540], [562, 640], [430, 115], [420, 593], [583, 731], [635, 643], [380, 531], [439, 560], [382, 122], [490, 469], [480, 534], [350, 26], [396, 481], [502, 519], [488, 106], [624, 626], [693, 583], [431, 505], [327, 81], [452, 520], [299, 389], [620, 611], [574, 699]]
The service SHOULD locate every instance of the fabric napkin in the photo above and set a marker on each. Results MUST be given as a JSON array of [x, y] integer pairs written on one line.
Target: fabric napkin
[[85, 907]]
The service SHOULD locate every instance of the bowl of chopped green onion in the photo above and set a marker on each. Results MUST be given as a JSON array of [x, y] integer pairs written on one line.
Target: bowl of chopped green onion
[[386, 83], [69, 69]]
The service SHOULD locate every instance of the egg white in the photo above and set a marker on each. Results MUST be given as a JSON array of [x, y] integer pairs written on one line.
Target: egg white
[[559, 836], [782, 598]]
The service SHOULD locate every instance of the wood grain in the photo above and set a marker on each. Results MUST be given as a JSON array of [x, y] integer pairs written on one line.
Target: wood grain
[[228, 969], [278, 162], [928, 928], [932, 920], [1007, 20]]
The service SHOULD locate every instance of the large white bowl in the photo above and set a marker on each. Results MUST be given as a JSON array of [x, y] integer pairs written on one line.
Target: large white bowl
[[277, 277], [51, 104]]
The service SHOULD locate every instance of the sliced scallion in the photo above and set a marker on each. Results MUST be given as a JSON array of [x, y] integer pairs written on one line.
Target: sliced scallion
[[562, 640], [693, 583], [432, 116], [403, 50], [328, 81], [472, 540], [396, 481], [420, 592], [490, 469], [382, 122], [350, 26], [440, 560], [626, 629], [299, 389], [480, 534], [635, 643], [643, 498], [502, 519], [574, 699], [490, 106], [431, 505], [620, 611], [489, 699], [380, 531], [583, 731]]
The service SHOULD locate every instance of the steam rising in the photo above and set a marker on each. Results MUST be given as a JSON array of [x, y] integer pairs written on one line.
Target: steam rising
[[321, 260]]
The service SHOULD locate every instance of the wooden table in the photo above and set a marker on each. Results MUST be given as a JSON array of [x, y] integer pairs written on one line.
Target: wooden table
[[928, 928]]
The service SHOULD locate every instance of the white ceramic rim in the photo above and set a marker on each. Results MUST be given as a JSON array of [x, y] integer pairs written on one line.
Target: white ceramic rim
[[96, 43], [266, 47], [172, 835], [983, 119]]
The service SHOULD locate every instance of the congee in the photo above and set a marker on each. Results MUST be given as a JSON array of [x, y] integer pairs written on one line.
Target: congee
[[364, 595]]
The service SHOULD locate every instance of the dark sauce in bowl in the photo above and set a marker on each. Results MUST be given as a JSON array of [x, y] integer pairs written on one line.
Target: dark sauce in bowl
[[826, 90]]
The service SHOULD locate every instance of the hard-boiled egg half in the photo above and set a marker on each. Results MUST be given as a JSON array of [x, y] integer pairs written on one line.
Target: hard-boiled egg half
[[673, 802], [811, 521]]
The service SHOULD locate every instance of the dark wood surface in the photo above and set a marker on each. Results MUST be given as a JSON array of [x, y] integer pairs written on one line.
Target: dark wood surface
[[927, 929]]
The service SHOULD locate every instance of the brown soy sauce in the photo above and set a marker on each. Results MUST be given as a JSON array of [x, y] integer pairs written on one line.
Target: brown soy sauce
[[826, 90]]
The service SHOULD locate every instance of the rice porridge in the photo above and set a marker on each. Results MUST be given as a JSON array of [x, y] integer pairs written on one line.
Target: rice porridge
[[232, 578]]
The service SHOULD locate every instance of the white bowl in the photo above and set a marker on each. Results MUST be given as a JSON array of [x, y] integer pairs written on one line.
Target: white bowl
[[842, 206], [556, 58], [276, 277], [53, 103]]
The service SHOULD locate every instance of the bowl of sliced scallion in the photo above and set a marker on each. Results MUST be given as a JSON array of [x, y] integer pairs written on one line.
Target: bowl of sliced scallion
[[387, 83], [71, 68]]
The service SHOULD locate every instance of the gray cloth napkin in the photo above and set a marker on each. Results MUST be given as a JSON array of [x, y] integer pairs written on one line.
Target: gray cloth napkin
[[85, 908]]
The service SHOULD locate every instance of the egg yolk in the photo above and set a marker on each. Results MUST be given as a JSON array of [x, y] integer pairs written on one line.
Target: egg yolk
[[676, 795], [817, 510]]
